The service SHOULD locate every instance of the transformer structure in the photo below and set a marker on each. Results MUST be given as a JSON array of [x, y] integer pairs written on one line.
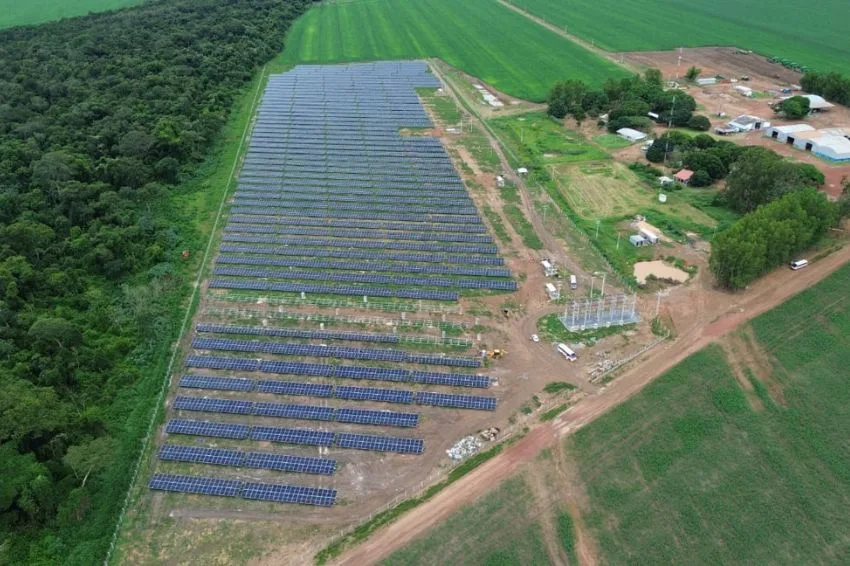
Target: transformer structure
[[600, 312]]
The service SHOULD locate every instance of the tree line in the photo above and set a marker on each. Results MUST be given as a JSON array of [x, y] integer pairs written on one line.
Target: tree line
[[100, 119], [771, 236], [832, 86], [628, 103]]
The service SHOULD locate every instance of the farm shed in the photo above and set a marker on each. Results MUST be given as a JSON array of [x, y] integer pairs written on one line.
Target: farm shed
[[684, 176], [638, 241], [744, 90], [706, 81], [747, 123], [816, 103], [832, 143], [631, 135], [788, 133]]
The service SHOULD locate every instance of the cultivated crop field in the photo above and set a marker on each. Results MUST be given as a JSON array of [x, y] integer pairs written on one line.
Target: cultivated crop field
[[21, 13], [481, 37], [697, 468], [500, 529], [815, 37]]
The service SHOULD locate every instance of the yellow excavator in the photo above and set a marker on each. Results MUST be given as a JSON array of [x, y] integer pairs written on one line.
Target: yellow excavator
[[496, 354]]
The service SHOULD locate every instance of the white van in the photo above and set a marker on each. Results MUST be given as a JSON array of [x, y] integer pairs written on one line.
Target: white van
[[565, 351], [573, 282], [799, 264]]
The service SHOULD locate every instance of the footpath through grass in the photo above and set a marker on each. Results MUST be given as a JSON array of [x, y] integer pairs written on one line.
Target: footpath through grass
[[688, 471], [482, 37], [28, 12], [817, 37]]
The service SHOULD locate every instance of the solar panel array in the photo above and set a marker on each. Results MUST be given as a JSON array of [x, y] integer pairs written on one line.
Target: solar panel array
[[297, 412], [324, 351], [247, 490], [327, 171], [346, 372], [240, 459], [400, 396], [333, 200]]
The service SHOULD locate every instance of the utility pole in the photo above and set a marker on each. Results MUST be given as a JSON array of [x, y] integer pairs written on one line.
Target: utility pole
[[602, 295], [618, 241], [658, 303], [669, 126], [592, 278], [597, 229]]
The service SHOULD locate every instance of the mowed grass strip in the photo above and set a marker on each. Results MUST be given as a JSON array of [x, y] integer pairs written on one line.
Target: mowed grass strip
[[28, 12], [688, 472], [817, 37], [481, 37]]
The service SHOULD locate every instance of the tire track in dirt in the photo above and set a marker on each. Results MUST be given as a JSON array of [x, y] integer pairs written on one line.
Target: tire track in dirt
[[546, 509], [761, 297], [575, 500]]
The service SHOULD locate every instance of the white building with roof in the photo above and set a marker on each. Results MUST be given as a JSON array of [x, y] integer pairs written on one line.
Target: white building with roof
[[631, 135], [816, 103], [788, 134], [746, 123], [831, 143]]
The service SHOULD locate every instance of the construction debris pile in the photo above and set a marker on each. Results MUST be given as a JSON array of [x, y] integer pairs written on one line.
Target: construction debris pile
[[489, 434], [602, 365], [464, 448]]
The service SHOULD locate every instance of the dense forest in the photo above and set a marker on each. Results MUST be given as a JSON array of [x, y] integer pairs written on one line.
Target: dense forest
[[100, 119]]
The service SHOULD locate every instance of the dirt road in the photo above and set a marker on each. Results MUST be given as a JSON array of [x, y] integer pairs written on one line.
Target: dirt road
[[764, 295]]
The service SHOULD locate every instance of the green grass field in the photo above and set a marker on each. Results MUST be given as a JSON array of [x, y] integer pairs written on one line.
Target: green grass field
[[498, 530], [814, 37], [26, 12], [536, 135], [481, 37], [693, 470]]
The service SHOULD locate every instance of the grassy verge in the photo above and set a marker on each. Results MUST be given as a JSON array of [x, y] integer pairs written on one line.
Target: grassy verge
[[363, 531], [497, 225], [567, 536], [523, 227], [552, 413]]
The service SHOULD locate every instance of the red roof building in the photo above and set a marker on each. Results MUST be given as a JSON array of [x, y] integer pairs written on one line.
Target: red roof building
[[684, 176]]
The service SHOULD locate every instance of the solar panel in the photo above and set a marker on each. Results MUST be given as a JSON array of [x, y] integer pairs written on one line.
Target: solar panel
[[201, 455], [206, 428], [289, 494], [287, 463], [295, 333], [218, 383], [380, 443], [212, 405], [292, 435], [456, 401], [378, 418], [295, 389], [373, 394], [451, 379], [196, 484], [286, 411]]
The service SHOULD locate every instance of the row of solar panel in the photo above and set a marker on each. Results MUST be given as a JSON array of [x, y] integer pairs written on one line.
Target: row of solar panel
[[396, 197], [373, 278], [379, 138], [325, 351], [280, 226], [348, 162], [447, 247], [344, 290], [247, 490], [299, 436], [461, 219], [298, 412], [381, 225], [241, 459], [292, 388], [343, 372], [374, 183], [320, 174], [366, 266], [329, 208], [296, 333], [362, 254]]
